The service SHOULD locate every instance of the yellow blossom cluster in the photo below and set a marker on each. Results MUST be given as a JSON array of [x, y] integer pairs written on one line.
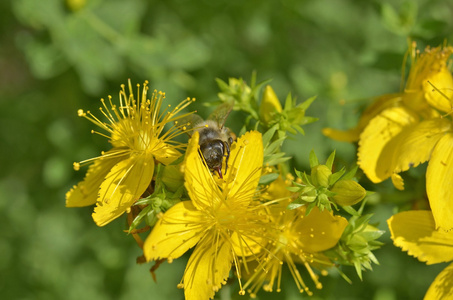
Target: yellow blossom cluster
[[403, 130], [235, 222]]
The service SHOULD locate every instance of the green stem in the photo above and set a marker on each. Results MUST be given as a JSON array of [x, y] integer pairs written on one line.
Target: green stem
[[102, 28]]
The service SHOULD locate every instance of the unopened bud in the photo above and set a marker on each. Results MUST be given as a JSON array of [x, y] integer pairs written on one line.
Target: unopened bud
[[172, 177], [76, 5], [308, 194], [320, 175], [347, 192], [269, 105]]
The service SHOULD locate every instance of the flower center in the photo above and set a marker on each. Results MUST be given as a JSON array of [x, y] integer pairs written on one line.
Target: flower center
[[225, 217]]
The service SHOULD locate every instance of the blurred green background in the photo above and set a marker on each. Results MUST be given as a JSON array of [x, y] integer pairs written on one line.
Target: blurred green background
[[58, 56]]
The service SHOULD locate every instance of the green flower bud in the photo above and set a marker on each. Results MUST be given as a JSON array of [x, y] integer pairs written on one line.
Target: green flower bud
[[157, 202], [320, 175], [347, 192], [76, 5], [308, 194], [269, 105], [172, 177]]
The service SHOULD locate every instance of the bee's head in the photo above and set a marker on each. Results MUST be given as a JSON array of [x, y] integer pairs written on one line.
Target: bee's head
[[213, 153]]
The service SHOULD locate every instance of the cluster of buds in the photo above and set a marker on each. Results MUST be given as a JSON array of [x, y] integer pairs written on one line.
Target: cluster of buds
[[325, 189]]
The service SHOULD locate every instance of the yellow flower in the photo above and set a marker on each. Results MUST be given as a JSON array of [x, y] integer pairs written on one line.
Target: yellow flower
[[400, 138], [415, 232], [406, 130], [298, 239], [376, 107], [117, 178], [222, 220], [428, 69]]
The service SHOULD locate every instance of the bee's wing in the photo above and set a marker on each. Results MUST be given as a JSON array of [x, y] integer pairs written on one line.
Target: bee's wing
[[220, 114], [189, 122]]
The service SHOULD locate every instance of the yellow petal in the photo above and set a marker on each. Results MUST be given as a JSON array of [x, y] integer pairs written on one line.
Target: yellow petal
[[412, 146], [207, 269], [202, 188], [240, 181], [376, 107], [244, 245], [86, 192], [320, 230], [415, 100], [442, 286], [277, 190], [414, 232], [398, 181], [166, 154], [415, 144], [124, 184], [377, 135], [430, 65], [350, 136], [244, 167], [438, 88], [439, 179], [176, 232]]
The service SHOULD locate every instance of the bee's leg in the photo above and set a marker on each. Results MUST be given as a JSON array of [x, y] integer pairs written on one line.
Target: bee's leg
[[227, 148]]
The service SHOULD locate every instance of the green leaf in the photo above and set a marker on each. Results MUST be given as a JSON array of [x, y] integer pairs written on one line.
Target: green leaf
[[335, 176], [268, 178], [294, 205], [330, 159], [288, 103], [178, 160], [273, 146], [306, 179], [223, 86], [313, 159], [270, 159], [372, 235], [346, 278], [358, 269], [351, 210], [306, 104], [148, 210], [373, 258], [310, 208], [267, 136], [257, 88], [253, 79], [298, 173], [350, 174], [299, 129], [275, 161], [308, 120], [362, 206]]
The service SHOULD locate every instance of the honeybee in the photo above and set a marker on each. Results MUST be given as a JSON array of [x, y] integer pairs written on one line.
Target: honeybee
[[215, 139]]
